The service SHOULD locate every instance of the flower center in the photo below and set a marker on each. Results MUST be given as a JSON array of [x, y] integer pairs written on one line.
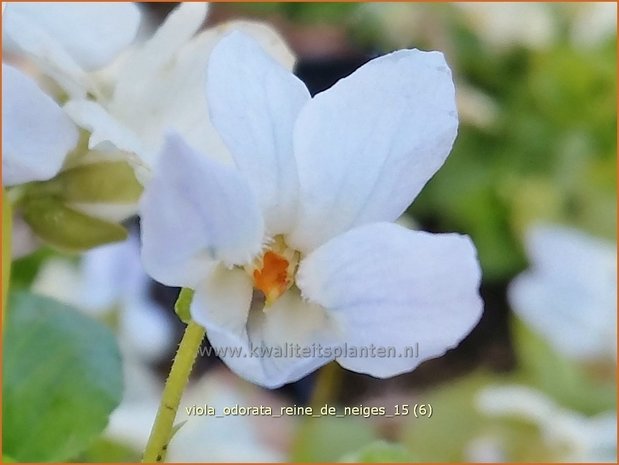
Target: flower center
[[273, 273]]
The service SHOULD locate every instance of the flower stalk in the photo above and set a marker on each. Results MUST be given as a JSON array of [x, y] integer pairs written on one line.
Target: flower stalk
[[163, 428]]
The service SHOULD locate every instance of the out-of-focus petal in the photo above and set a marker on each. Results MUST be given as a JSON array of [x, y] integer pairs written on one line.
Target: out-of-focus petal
[[254, 103], [91, 34], [196, 212], [367, 146], [387, 286], [36, 133], [569, 294]]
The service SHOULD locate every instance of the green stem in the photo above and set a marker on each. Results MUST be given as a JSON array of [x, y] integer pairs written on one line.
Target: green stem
[[326, 384], [163, 428], [7, 226]]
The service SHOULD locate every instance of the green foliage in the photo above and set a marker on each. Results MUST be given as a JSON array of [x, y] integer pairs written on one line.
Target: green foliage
[[7, 225], [106, 451], [380, 452], [61, 379], [455, 421], [564, 381], [327, 439]]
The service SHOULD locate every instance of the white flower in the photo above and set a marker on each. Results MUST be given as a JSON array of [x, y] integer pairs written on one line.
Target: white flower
[[159, 86], [505, 24], [70, 40], [594, 22], [67, 41], [572, 436], [202, 438], [127, 95], [36, 133], [569, 294], [106, 278], [306, 216]]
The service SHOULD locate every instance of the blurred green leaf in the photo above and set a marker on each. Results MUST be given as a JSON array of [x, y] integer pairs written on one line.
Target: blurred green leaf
[[68, 229], [327, 439], [7, 226], [24, 269], [380, 452], [563, 380], [61, 379], [107, 451], [455, 421]]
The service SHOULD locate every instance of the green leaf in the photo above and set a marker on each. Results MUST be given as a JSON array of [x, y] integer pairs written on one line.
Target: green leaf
[[568, 384], [68, 229], [183, 303], [61, 379], [455, 421], [380, 452], [326, 439], [106, 451]]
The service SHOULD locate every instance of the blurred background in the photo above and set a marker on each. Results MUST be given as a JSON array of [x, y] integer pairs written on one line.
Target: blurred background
[[537, 89]]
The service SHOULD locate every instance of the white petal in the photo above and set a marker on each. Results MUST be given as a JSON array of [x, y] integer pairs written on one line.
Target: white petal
[[367, 146], [254, 103], [196, 211], [172, 67], [222, 306], [36, 133], [391, 287], [104, 128], [91, 34], [569, 294]]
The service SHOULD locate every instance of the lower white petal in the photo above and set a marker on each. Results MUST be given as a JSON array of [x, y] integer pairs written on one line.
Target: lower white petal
[[36, 133], [268, 348], [391, 287]]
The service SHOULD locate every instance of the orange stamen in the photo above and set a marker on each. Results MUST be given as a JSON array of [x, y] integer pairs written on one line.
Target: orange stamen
[[272, 279]]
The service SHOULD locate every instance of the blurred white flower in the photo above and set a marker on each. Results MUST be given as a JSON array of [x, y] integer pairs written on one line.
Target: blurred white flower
[[306, 217], [506, 24], [594, 22], [572, 436], [127, 95], [67, 40], [569, 293], [107, 278], [233, 438], [201, 438], [36, 133], [160, 86]]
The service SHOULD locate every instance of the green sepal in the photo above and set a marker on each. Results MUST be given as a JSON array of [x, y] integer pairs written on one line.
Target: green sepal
[[104, 182], [68, 229], [183, 302]]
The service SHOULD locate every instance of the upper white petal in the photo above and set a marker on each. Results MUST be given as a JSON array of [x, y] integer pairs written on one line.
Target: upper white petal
[[106, 131], [367, 146], [194, 212], [392, 287], [222, 305], [254, 103], [36, 133], [92, 34], [569, 293]]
